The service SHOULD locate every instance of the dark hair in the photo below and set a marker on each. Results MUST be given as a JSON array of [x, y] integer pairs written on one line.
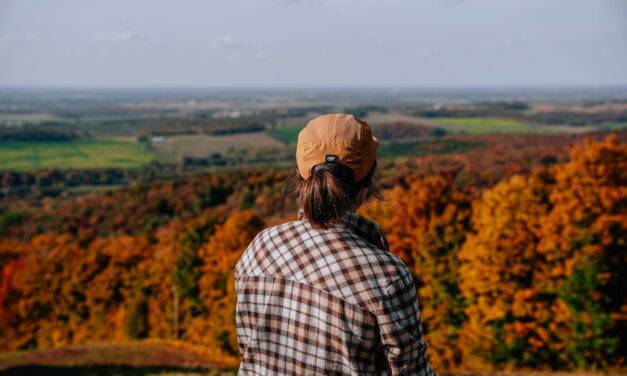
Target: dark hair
[[331, 192]]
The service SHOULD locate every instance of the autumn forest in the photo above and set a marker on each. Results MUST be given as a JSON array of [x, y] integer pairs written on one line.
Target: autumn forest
[[517, 248]]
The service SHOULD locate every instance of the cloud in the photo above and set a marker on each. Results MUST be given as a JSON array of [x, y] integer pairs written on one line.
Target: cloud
[[262, 54], [122, 37], [423, 52], [539, 49], [228, 46], [528, 49], [233, 48], [222, 42], [17, 38]]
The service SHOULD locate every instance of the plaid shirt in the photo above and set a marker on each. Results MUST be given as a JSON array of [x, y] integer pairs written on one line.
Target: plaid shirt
[[327, 302]]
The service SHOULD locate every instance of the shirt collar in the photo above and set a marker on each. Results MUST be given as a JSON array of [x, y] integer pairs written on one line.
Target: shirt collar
[[363, 227]]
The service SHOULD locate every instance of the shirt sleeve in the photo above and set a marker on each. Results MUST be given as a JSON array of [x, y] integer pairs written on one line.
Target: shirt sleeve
[[400, 329]]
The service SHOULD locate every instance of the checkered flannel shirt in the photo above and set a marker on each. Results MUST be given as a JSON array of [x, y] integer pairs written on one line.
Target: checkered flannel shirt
[[327, 302]]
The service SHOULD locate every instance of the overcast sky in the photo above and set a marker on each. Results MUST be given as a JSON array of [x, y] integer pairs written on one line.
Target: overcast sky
[[306, 43]]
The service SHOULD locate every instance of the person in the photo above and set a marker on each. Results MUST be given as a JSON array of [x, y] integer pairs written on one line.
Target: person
[[323, 295]]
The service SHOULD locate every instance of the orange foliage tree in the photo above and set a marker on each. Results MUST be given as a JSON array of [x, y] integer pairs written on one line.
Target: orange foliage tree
[[541, 273], [584, 244], [216, 329], [425, 223]]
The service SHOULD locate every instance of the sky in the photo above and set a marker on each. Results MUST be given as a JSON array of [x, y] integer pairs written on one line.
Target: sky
[[312, 43]]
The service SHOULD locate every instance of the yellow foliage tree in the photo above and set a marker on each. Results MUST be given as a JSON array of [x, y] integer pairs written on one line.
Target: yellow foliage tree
[[496, 274]]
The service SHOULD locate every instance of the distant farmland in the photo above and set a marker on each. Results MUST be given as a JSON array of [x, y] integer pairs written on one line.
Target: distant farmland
[[486, 125], [174, 148], [423, 148], [35, 155], [288, 135], [617, 125]]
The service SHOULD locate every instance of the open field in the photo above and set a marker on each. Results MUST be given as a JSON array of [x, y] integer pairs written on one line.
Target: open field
[[486, 125], [583, 108], [474, 125], [288, 135], [30, 117], [35, 155], [479, 125], [286, 122], [109, 359], [108, 117], [375, 118], [421, 148], [617, 125], [174, 148]]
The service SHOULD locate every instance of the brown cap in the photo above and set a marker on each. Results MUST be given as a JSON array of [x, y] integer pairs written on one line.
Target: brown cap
[[339, 138]]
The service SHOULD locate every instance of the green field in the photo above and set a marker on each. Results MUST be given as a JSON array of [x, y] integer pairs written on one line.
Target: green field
[[108, 117], [34, 155], [616, 125], [423, 148], [486, 125], [288, 135]]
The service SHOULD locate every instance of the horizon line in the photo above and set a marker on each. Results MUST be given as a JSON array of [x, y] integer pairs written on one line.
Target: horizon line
[[315, 87]]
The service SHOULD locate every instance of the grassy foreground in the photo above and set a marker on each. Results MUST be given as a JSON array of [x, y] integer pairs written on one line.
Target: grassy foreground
[[110, 359], [150, 359]]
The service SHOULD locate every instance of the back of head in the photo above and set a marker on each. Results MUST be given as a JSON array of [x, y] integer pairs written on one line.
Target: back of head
[[336, 157]]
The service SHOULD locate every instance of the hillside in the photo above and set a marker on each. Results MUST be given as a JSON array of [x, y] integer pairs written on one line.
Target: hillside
[[543, 219]]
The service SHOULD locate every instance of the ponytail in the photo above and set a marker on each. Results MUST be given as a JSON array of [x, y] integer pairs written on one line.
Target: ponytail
[[330, 193]]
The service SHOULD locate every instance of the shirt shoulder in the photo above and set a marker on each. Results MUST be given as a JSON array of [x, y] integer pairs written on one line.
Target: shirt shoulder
[[256, 254], [350, 261]]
